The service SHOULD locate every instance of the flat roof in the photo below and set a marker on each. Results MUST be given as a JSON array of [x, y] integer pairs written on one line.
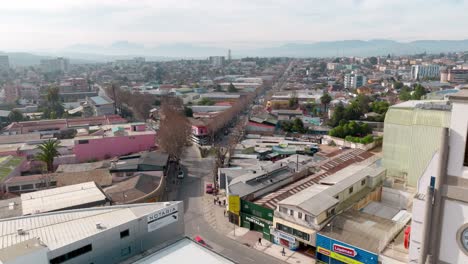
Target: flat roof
[[184, 251], [61, 197], [8, 164], [100, 100], [318, 198], [365, 231], [58, 229]]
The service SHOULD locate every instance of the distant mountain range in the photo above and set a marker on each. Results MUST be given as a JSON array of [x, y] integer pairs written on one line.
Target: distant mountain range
[[84, 53]]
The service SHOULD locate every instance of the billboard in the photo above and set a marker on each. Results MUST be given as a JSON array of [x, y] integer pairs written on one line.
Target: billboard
[[329, 249], [234, 204]]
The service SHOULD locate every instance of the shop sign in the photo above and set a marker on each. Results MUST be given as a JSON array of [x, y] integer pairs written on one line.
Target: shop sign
[[255, 221], [234, 204], [344, 250], [337, 256], [162, 217], [285, 236]]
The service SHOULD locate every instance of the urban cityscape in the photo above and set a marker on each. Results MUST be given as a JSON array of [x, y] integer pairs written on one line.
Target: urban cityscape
[[313, 149]]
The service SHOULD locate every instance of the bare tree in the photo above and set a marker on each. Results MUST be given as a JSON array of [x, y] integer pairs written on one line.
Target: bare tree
[[174, 130]]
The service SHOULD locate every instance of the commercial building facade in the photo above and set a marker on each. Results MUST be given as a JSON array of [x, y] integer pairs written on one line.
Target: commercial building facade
[[55, 65], [353, 81], [439, 229], [97, 235], [424, 71]]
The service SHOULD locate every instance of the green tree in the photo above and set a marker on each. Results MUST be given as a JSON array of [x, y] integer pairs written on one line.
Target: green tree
[[419, 91], [218, 88], [325, 100], [405, 93], [398, 85], [188, 112], [15, 116], [293, 101], [232, 88], [48, 151], [298, 125], [380, 107], [373, 60], [338, 115], [206, 101], [52, 107]]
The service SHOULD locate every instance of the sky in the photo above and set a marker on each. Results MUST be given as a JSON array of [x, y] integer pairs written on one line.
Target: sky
[[56, 24]]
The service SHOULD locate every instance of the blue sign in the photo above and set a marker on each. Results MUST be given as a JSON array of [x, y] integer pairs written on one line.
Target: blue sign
[[338, 248]]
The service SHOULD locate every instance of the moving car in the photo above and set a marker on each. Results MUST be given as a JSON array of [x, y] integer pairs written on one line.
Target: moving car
[[209, 188], [180, 174]]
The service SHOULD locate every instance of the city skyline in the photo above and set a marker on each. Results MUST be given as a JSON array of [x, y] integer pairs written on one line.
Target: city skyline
[[56, 25]]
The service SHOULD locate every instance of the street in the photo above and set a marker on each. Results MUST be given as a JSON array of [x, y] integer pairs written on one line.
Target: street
[[191, 191]]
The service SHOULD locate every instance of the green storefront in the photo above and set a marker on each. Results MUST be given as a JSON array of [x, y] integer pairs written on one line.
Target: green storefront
[[257, 218]]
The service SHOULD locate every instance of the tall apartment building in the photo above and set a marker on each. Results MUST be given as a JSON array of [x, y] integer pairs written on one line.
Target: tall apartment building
[[217, 61], [439, 228], [424, 71], [55, 65], [353, 81], [4, 62]]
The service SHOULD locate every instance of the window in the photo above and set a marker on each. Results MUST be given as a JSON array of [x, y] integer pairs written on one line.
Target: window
[[291, 212], [293, 231], [125, 251], [72, 254], [53, 183], [257, 213], [83, 141], [299, 215], [283, 210], [27, 187], [363, 182], [350, 190], [465, 162], [124, 233], [13, 188], [308, 218]]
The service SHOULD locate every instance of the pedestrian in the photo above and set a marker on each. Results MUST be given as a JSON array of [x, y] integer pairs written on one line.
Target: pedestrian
[[283, 253], [260, 241], [214, 201], [224, 202], [219, 203]]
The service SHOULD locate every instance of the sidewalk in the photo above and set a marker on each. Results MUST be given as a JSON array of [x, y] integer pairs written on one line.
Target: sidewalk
[[250, 238]]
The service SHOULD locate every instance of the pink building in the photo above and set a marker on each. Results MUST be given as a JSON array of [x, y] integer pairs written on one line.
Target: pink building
[[114, 140]]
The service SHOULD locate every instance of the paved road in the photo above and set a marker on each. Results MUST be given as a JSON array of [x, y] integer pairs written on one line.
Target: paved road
[[191, 191]]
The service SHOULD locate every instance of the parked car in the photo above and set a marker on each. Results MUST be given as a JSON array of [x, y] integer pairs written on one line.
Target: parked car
[[209, 188], [180, 174], [200, 240]]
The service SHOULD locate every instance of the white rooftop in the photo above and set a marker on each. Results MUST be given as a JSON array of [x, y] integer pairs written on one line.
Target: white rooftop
[[58, 229], [60, 198], [184, 251]]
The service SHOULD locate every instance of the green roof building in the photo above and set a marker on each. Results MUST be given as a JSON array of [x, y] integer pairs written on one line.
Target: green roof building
[[412, 133]]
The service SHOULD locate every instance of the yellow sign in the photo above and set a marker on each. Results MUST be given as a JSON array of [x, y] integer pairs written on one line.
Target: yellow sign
[[234, 204], [337, 256]]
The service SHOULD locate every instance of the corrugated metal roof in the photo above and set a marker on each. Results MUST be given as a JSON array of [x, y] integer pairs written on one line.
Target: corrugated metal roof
[[59, 229], [62, 197]]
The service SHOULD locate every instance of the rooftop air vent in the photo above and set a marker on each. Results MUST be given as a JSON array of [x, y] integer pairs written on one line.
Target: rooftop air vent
[[21, 232]]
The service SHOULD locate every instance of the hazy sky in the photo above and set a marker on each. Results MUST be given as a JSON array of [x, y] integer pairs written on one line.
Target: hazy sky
[[54, 24]]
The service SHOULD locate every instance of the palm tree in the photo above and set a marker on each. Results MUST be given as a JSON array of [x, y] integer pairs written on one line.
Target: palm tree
[[48, 151], [325, 100]]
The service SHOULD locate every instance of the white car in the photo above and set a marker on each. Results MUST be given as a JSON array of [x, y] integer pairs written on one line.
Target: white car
[[180, 174]]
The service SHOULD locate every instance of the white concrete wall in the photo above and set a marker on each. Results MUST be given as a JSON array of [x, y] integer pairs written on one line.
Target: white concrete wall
[[458, 134], [455, 215]]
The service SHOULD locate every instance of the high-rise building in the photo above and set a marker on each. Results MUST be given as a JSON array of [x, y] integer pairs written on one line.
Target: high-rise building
[[439, 228], [55, 65], [4, 62], [424, 71], [217, 61], [353, 81], [229, 55]]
